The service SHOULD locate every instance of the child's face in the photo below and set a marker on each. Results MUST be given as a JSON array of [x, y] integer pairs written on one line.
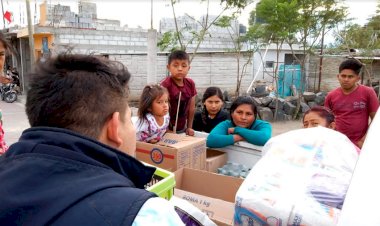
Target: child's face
[[313, 119], [213, 105], [2, 55], [160, 105], [178, 69]]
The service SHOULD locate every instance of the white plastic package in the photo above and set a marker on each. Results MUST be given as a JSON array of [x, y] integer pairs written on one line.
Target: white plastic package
[[301, 179], [190, 214]]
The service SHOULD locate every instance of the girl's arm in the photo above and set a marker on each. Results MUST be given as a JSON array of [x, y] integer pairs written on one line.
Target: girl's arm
[[219, 136], [142, 130], [258, 135]]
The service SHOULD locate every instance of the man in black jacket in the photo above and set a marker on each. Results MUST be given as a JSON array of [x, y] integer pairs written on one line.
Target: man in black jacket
[[76, 165]]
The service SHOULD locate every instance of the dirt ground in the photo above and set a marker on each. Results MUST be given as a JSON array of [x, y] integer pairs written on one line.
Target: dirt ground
[[285, 126]]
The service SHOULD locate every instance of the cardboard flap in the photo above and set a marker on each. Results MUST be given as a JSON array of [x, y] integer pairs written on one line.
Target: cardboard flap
[[208, 184], [212, 193], [170, 139], [179, 140]]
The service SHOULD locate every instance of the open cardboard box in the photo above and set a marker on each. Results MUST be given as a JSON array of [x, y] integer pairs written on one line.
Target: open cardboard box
[[215, 159], [174, 151], [212, 193]]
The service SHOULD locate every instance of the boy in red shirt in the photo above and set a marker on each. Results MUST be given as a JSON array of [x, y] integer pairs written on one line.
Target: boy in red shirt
[[179, 85], [352, 104]]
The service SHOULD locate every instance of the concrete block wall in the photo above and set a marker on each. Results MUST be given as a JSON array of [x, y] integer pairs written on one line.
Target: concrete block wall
[[97, 41], [330, 67], [207, 69]]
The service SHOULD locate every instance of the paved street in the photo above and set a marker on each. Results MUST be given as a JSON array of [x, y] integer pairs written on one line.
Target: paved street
[[14, 119]]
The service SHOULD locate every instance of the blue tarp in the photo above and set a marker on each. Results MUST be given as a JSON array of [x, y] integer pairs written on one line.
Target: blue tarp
[[288, 76]]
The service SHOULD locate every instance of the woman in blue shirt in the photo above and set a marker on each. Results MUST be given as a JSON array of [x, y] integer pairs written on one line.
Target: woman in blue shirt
[[243, 126]]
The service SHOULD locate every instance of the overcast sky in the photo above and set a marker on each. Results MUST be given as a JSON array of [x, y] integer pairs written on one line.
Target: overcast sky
[[138, 12]]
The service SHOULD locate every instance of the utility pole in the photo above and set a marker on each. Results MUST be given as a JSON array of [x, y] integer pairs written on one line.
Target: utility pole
[[152, 50], [2, 9], [321, 60], [30, 32]]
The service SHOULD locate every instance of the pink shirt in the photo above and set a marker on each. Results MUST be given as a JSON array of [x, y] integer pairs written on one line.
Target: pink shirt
[[149, 129], [352, 111], [3, 146]]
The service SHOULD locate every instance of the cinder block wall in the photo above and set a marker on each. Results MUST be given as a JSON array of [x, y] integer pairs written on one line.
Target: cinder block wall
[[330, 69], [207, 69]]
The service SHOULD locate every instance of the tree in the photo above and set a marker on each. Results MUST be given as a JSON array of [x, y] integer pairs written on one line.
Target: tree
[[239, 41], [183, 36], [301, 22], [275, 25], [363, 38]]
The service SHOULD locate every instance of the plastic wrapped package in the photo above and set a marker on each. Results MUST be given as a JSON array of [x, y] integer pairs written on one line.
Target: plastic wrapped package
[[189, 214], [301, 179]]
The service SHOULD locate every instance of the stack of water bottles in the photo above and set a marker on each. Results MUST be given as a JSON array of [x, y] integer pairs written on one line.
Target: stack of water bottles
[[234, 169]]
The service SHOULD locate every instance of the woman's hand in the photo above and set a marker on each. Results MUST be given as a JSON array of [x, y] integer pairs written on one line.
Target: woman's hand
[[153, 141], [238, 138], [190, 132], [231, 130]]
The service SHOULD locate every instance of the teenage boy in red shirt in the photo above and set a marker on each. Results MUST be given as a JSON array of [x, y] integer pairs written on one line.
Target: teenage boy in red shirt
[[352, 104]]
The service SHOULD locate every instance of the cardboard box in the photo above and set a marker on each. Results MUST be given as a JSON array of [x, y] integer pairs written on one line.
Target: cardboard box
[[174, 151], [215, 159], [212, 193]]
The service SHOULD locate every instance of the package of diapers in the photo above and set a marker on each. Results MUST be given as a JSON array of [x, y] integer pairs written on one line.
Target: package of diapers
[[302, 179]]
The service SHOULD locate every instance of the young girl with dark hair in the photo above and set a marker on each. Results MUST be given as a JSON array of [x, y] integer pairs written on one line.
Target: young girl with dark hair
[[243, 126], [212, 113], [319, 116], [153, 114]]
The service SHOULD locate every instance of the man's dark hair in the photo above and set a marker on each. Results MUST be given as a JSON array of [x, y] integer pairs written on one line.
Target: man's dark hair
[[351, 64], [178, 55], [77, 92]]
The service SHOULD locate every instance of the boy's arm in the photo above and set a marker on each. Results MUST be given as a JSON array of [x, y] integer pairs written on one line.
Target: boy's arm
[[190, 117]]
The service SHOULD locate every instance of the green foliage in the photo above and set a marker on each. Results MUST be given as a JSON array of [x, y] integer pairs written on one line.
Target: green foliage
[[168, 42], [354, 36], [278, 19], [302, 22], [240, 4]]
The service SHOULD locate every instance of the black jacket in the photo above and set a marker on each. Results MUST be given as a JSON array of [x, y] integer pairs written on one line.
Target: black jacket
[[53, 176], [199, 125]]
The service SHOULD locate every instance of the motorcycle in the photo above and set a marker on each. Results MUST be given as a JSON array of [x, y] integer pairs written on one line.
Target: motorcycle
[[8, 92]]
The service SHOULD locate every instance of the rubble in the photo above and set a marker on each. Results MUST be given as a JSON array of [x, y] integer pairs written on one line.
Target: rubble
[[286, 107]]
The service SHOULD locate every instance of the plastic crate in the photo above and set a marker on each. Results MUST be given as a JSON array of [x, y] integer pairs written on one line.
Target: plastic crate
[[162, 183]]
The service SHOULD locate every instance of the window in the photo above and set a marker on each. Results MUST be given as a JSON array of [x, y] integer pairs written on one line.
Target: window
[[269, 64]]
